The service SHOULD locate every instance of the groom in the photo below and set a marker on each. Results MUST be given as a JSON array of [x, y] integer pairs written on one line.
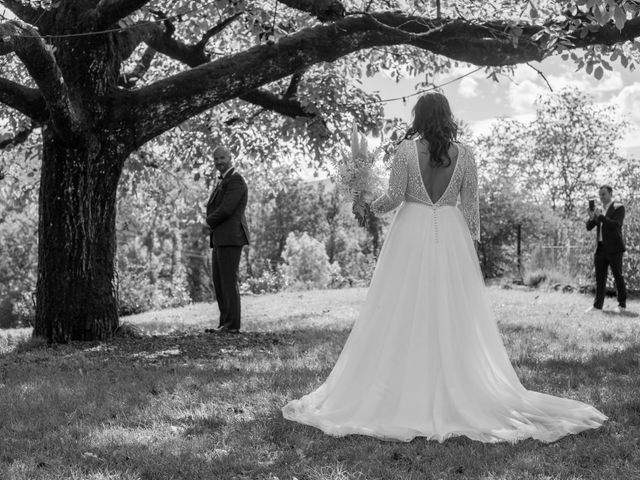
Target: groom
[[228, 234], [610, 247]]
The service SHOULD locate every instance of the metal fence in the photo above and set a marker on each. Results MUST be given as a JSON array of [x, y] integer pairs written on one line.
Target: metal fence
[[573, 261]]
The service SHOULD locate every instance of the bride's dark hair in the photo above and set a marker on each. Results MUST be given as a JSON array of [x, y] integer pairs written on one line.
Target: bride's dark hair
[[433, 121]]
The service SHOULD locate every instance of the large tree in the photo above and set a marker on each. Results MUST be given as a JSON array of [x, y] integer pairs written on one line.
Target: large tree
[[81, 62]]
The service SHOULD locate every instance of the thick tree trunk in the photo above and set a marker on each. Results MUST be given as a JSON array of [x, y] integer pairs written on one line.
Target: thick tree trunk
[[76, 297]]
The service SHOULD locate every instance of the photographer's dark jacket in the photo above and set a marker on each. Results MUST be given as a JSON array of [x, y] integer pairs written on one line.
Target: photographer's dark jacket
[[610, 223], [225, 212]]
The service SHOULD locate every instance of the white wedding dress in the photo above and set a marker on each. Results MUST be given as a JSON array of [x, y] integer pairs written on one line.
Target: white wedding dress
[[425, 357]]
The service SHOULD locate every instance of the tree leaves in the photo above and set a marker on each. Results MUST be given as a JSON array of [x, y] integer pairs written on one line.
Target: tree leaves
[[620, 17], [598, 73], [533, 12], [337, 108], [557, 158]]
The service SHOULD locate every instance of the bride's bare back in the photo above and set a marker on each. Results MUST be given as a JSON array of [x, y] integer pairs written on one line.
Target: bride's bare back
[[436, 179]]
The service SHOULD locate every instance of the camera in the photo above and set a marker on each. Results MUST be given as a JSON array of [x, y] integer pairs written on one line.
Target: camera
[[592, 205]]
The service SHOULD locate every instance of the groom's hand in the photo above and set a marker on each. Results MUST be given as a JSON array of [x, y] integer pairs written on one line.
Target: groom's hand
[[597, 212]]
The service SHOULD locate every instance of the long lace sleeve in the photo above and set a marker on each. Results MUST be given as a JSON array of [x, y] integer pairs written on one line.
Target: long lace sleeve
[[469, 196], [397, 183]]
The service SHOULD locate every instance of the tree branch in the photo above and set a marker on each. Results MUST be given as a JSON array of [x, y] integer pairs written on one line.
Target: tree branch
[[286, 106], [324, 10], [541, 73], [162, 40], [130, 79], [293, 85], [271, 101], [37, 56], [28, 101], [610, 35], [217, 29], [194, 56], [24, 12], [18, 138], [108, 12], [168, 102]]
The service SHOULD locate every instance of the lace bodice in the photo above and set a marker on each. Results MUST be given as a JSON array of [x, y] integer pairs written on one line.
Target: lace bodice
[[405, 184]]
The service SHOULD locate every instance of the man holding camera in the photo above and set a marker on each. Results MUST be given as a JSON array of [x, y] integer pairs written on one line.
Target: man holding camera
[[610, 246]]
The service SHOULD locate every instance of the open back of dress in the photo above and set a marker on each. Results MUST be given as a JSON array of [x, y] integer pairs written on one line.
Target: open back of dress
[[436, 187]]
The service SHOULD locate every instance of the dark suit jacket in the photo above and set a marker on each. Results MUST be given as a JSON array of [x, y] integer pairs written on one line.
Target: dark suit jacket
[[611, 225], [225, 212]]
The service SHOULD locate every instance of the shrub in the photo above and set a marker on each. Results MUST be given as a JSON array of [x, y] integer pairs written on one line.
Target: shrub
[[135, 292], [544, 278], [8, 318], [336, 277], [18, 264], [306, 264], [355, 266], [17, 310], [148, 279], [268, 282], [631, 259]]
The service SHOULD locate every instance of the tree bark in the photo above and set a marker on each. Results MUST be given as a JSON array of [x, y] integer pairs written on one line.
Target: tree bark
[[28, 101], [76, 295], [24, 12], [324, 10], [82, 160]]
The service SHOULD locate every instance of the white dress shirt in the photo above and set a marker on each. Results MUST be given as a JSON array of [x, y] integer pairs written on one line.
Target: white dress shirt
[[226, 172], [604, 212]]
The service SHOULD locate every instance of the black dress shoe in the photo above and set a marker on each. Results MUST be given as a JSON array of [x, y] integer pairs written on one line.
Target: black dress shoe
[[226, 328], [213, 330]]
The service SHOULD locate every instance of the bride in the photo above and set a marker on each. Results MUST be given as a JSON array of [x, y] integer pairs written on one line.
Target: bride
[[425, 357]]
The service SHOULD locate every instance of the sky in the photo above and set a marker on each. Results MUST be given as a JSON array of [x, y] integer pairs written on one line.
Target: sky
[[479, 101]]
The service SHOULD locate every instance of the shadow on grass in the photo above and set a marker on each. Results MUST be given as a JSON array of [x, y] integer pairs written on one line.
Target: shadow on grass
[[243, 380], [626, 313], [598, 367], [150, 348], [512, 328], [524, 331]]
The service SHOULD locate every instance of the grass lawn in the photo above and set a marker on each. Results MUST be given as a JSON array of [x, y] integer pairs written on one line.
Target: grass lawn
[[180, 404]]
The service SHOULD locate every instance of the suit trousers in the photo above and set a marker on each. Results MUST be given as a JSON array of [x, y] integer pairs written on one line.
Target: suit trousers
[[603, 261], [225, 263]]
